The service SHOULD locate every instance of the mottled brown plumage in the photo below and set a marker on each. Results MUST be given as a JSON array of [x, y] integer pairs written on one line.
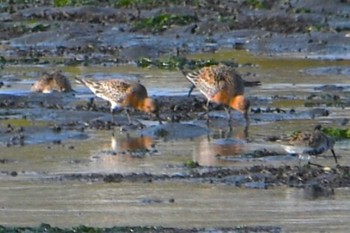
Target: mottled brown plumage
[[54, 81], [221, 84], [123, 94]]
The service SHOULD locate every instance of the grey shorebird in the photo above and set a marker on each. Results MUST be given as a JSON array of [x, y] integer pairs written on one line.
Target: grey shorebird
[[309, 143]]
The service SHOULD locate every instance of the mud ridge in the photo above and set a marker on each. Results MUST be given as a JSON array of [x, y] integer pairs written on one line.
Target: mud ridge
[[258, 176]]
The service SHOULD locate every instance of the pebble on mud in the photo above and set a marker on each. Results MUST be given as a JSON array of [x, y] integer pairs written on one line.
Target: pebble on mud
[[14, 173], [56, 128]]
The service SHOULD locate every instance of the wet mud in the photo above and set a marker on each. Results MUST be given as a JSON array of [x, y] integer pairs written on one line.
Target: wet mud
[[258, 177], [184, 119], [147, 229], [86, 34]]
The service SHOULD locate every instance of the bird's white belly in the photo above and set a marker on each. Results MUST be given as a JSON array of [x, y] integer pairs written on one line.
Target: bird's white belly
[[296, 149], [115, 105], [305, 150]]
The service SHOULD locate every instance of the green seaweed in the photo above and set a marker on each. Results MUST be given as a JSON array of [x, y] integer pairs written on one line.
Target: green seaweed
[[163, 22], [302, 10], [16, 122], [337, 133], [38, 27], [257, 4], [324, 99], [126, 3], [113, 3], [29, 26], [175, 62], [191, 164], [61, 3], [151, 3]]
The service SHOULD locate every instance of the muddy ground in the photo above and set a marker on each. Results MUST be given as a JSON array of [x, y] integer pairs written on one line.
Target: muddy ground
[[48, 228], [70, 118], [42, 34], [34, 33]]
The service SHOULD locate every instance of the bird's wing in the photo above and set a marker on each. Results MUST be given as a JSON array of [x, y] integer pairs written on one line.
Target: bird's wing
[[207, 80], [111, 90]]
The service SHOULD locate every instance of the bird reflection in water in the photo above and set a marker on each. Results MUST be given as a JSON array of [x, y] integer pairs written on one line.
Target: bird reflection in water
[[124, 151], [135, 146], [214, 151]]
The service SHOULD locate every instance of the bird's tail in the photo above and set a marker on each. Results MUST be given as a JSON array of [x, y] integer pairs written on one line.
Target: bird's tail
[[89, 83], [185, 70], [192, 76], [189, 73], [95, 87], [79, 80]]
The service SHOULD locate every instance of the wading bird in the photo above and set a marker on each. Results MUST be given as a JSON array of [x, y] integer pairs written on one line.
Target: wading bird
[[309, 143], [221, 84], [123, 94], [50, 82]]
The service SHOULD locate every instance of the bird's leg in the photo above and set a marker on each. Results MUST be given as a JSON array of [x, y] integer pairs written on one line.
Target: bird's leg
[[90, 104], [208, 136], [207, 112], [113, 117], [191, 89], [310, 163], [247, 122], [246, 135], [299, 161], [229, 134], [228, 112], [128, 115], [159, 119], [314, 164], [301, 157], [335, 157]]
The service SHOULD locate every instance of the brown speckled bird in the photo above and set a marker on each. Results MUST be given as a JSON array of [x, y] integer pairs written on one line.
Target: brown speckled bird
[[54, 81], [123, 94], [309, 143], [221, 84]]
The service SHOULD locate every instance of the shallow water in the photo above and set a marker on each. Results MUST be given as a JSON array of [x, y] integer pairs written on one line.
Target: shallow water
[[28, 199], [169, 204]]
